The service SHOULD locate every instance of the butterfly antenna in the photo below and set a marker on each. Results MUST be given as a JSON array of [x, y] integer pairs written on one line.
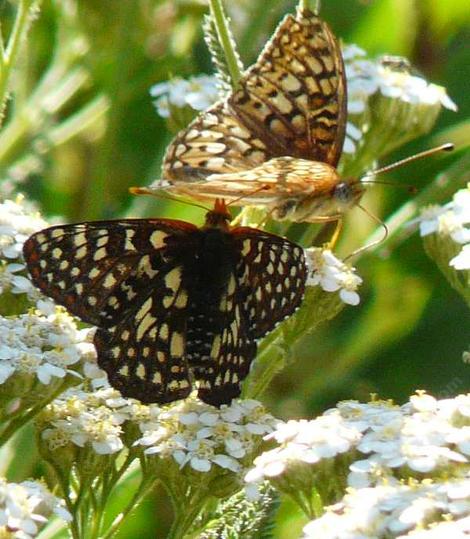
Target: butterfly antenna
[[372, 243], [159, 194], [447, 147]]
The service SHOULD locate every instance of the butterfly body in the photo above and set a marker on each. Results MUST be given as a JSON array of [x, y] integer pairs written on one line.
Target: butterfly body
[[276, 140], [174, 303], [290, 188]]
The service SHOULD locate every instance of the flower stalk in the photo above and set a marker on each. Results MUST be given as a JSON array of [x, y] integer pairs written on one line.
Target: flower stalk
[[226, 41]]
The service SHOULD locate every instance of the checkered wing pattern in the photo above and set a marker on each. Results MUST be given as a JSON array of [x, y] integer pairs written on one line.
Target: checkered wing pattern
[[171, 301], [291, 102], [120, 276], [267, 287], [274, 271]]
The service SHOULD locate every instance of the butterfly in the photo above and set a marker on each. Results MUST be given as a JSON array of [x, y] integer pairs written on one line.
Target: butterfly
[[173, 303], [276, 140]]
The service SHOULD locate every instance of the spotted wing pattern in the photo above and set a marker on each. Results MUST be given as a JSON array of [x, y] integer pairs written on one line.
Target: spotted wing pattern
[[291, 102], [267, 286], [118, 276], [172, 302]]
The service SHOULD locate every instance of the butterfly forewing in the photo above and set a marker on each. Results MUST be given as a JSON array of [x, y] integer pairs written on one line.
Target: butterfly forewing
[[291, 102], [293, 98], [98, 269]]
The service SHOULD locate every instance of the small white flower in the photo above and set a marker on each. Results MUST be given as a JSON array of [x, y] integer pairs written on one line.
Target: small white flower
[[462, 260], [452, 221], [367, 77], [415, 511], [332, 275], [24, 506], [81, 418], [198, 92], [42, 346], [196, 434]]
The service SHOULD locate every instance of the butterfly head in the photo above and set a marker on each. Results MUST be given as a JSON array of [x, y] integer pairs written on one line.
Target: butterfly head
[[328, 201], [219, 216]]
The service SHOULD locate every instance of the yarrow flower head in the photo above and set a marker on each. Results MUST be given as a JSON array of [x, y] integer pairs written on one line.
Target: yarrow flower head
[[86, 420], [451, 221], [332, 275], [198, 92], [201, 437], [390, 77], [17, 222], [423, 437], [24, 508], [41, 347], [418, 510]]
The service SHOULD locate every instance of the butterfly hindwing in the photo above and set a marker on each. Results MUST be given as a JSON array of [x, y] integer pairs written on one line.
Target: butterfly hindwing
[[144, 354], [274, 271]]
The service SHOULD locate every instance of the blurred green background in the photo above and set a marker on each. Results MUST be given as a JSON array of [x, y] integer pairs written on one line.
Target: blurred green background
[[81, 129]]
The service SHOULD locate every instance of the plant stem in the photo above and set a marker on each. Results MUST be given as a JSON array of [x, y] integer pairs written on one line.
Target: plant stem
[[268, 368], [21, 419], [146, 485], [310, 5], [9, 55], [223, 33]]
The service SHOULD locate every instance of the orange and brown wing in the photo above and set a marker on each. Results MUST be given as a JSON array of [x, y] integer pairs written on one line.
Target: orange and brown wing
[[294, 97], [291, 102]]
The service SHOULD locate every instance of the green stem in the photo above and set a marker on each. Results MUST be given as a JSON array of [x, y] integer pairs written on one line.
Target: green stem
[[20, 420], [10, 54], [32, 115], [310, 5], [223, 33], [186, 512], [146, 485], [270, 361]]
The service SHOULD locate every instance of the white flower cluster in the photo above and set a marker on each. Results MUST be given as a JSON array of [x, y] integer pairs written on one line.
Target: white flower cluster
[[17, 223], [199, 92], [366, 77], [425, 436], [453, 221], [303, 441], [200, 435], [86, 419], [423, 510], [41, 346], [332, 274], [23, 507]]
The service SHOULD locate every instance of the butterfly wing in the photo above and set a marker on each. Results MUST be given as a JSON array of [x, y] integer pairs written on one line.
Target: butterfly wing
[[267, 286], [215, 142], [120, 276], [291, 102], [294, 97], [275, 273]]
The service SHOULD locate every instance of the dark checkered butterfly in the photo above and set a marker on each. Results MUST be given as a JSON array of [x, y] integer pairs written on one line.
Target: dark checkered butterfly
[[173, 302]]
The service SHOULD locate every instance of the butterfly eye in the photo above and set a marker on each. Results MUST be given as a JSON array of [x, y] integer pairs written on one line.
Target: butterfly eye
[[343, 192]]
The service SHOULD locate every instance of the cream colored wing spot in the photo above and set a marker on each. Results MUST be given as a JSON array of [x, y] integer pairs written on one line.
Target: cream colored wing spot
[[57, 253], [177, 345], [99, 254], [56, 233], [157, 239], [79, 239]]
